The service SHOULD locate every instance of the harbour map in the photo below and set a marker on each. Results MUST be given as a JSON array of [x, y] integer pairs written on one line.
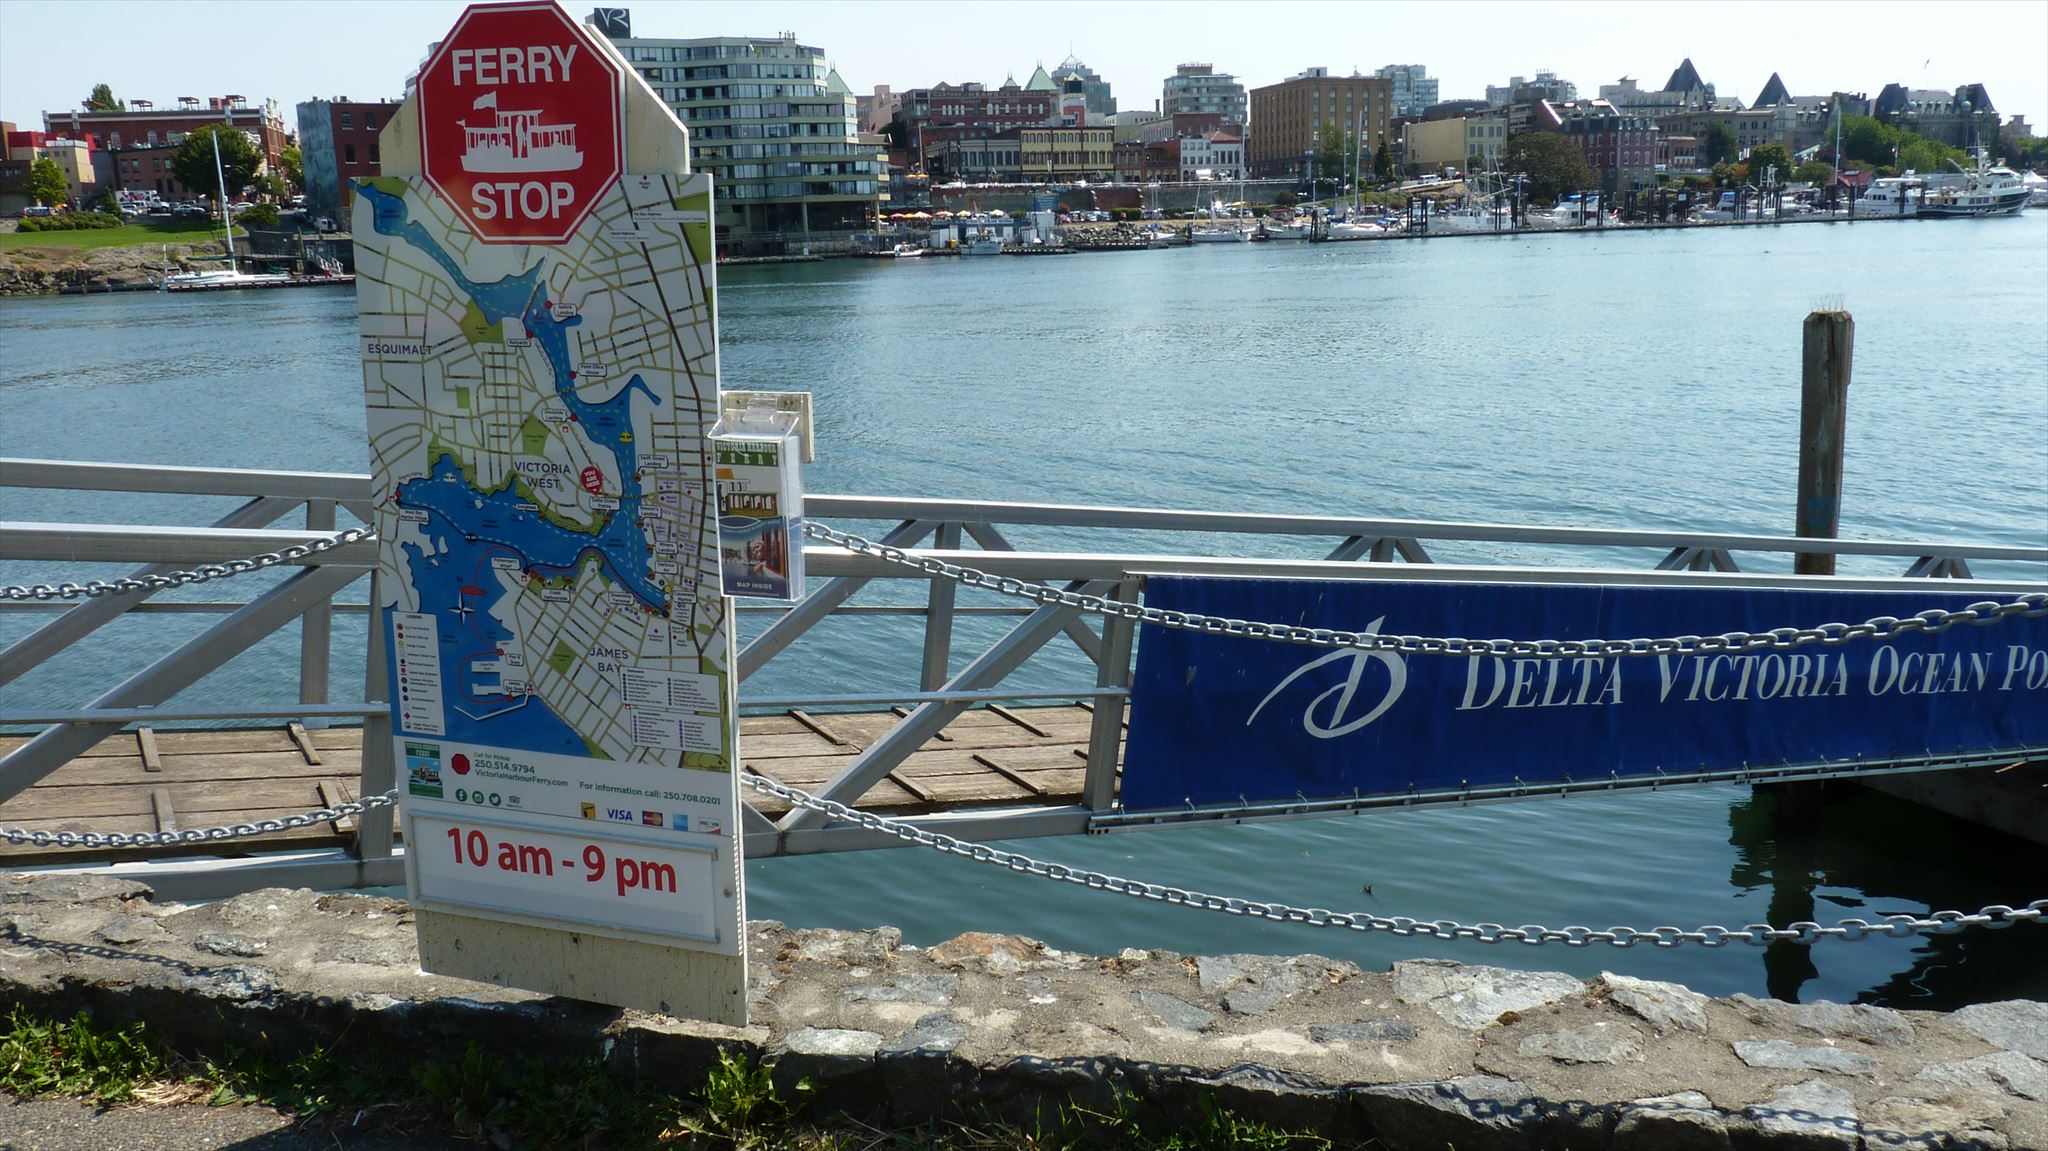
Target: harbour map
[[537, 419]]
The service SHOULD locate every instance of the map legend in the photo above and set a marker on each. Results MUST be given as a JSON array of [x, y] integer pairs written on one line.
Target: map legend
[[417, 640]]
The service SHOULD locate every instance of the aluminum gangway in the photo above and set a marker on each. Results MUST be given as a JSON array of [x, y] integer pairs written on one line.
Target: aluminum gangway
[[971, 750]]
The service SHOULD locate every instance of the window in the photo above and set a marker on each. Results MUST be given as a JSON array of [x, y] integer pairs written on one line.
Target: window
[[345, 124], [348, 153], [374, 157], [370, 123]]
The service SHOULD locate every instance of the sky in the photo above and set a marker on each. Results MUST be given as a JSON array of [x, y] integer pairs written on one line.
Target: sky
[[294, 50]]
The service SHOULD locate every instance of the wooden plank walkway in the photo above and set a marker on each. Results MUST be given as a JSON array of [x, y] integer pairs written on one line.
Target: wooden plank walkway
[[144, 780]]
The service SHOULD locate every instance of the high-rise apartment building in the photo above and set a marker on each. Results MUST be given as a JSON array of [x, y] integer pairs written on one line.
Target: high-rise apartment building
[[776, 128], [338, 143], [1288, 118], [1093, 87], [1414, 88], [1200, 88]]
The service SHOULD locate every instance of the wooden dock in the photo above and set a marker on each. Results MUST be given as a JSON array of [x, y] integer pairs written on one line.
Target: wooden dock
[[147, 780]]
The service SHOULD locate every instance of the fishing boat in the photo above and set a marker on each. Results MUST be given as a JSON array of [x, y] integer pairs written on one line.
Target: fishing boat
[[217, 279]]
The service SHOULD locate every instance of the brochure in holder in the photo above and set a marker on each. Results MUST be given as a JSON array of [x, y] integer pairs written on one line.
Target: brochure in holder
[[760, 504]]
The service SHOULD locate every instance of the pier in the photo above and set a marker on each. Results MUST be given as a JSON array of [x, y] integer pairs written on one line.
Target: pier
[[964, 752]]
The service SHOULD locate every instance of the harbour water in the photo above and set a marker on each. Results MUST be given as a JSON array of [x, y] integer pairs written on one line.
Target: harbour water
[[1646, 380]]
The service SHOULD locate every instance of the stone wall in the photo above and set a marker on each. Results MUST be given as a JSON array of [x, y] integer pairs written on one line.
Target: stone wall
[[1430, 1055]]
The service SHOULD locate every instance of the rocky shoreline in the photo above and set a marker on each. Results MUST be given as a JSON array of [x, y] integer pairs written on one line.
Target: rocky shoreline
[[1428, 1055], [73, 271]]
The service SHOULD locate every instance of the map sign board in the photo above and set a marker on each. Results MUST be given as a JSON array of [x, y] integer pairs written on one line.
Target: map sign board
[[559, 655]]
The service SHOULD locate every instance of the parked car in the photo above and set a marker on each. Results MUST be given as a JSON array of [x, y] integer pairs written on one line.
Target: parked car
[[324, 224], [38, 210], [188, 211]]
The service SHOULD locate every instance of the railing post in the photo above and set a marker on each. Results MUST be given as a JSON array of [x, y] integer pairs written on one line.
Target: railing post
[[938, 618], [1105, 733], [316, 627], [1830, 337], [380, 768]]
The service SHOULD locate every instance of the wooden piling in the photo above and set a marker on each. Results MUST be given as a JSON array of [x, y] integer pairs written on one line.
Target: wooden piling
[[1830, 337]]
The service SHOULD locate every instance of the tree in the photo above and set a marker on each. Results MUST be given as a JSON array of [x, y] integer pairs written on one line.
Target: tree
[[1765, 156], [239, 159], [102, 100], [1868, 140], [1923, 155], [1285, 198], [46, 183], [294, 166], [1333, 152], [1717, 143], [264, 216], [1553, 164], [1383, 163], [1816, 173]]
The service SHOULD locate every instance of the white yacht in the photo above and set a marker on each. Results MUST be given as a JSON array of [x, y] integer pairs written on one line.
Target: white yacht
[[1890, 198], [221, 278], [1985, 190]]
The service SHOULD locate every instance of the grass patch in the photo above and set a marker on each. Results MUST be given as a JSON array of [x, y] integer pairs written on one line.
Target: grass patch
[[125, 236], [543, 1104]]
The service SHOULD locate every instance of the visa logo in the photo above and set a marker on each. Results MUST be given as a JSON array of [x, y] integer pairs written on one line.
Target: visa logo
[[623, 815]]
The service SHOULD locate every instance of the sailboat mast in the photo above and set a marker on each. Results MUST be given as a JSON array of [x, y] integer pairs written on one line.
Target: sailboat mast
[[227, 223]]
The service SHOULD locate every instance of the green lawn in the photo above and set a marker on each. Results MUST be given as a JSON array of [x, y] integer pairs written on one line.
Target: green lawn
[[125, 236]]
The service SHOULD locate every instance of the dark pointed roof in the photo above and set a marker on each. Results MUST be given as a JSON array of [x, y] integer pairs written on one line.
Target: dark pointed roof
[[1774, 94], [1684, 78]]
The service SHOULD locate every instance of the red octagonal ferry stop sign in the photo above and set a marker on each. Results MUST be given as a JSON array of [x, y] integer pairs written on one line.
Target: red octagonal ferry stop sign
[[521, 127]]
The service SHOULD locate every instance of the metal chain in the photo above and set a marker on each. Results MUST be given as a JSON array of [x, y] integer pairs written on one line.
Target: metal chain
[[94, 589], [2032, 605], [18, 837], [1757, 934]]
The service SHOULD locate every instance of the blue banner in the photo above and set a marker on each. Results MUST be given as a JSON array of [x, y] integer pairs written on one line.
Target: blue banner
[[1217, 719]]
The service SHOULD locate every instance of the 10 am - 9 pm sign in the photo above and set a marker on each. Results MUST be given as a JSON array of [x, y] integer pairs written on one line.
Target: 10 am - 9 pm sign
[[520, 122]]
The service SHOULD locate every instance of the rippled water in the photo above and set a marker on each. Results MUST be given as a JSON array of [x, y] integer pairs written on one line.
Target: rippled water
[[1646, 380]]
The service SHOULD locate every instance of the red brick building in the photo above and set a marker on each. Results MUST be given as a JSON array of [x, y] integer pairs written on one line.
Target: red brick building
[[1620, 145], [143, 125]]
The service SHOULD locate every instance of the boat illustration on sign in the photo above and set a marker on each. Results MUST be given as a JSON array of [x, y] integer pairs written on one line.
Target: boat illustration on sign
[[516, 141]]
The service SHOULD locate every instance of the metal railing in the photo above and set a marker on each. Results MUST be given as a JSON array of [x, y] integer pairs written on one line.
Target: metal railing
[[1096, 556]]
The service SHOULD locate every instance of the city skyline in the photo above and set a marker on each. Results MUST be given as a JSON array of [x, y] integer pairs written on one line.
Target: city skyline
[[1736, 45]]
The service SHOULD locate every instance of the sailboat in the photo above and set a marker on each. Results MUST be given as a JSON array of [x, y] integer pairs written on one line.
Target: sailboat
[[233, 276]]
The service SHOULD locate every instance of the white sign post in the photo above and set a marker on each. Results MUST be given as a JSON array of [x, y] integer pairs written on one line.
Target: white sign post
[[535, 283]]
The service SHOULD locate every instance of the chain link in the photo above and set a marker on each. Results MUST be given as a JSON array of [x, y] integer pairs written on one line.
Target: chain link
[[2032, 605], [94, 589], [18, 837], [1533, 935]]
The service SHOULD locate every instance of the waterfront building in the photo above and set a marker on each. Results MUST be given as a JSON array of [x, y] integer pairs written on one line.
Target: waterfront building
[[1522, 90], [1677, 154], [338, 143], [1467, 143], [1216, 156], [1094, 89], [1959, 119], [74, 158], [1621, 146], [1414, 88], [1140, 161], [1129, 124], [13, 174], [775, 128], [142, 125], [1058, 155], [1288, 117], [1751, 126], [974, 154], [876, 111], [1200, 88]]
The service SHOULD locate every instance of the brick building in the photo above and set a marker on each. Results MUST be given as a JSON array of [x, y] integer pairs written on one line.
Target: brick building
[[1288, 117], [1621, 146], [143, 125]]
